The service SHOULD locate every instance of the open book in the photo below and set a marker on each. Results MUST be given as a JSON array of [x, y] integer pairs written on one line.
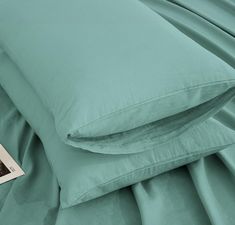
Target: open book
[[9, 169]]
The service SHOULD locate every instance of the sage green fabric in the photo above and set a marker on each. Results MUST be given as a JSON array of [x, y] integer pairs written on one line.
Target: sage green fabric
[[209, 23], [201, 192], [170, 198], [170, 142], [34, 198], [105, 70], [183, 177], [88, 176]]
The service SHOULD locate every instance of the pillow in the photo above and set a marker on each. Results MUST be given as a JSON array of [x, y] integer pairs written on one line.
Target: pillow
[[41, 197], [84, 175], [116, 82], [105, 67]]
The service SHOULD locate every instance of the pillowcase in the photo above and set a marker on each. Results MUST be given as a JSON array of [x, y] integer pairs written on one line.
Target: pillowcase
[[83, 175], [102, 68], [41, 197], [119, 84]]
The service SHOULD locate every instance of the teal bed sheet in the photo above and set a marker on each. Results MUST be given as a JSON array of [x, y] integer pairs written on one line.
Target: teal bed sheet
[[96, 155], [209, 23]]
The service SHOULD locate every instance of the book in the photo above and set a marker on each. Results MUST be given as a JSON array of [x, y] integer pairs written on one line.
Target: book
[[9, 169]]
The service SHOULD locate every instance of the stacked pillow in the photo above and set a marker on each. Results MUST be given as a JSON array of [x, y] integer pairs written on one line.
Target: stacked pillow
[[105, 90]]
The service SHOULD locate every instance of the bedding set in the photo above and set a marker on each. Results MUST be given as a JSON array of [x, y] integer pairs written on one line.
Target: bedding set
[[119, 112]]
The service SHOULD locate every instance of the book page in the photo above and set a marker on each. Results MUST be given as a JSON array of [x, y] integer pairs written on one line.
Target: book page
[[9, 169]]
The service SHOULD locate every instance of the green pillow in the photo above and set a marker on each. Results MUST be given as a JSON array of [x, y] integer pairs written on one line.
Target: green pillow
[[83, 175], [129, 94], [39, 205], [102, 68]]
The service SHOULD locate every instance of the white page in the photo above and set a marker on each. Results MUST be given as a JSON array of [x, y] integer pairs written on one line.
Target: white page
[[9, 169]]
